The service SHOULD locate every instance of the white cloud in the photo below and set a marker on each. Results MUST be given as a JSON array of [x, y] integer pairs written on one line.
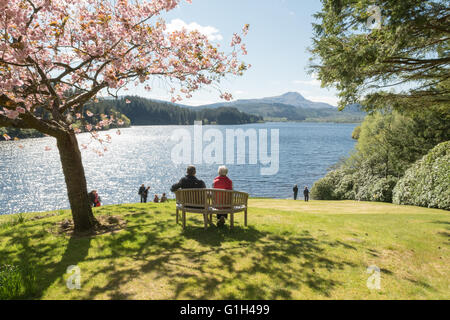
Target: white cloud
[[314, 82], [327, 99], [209, 31]]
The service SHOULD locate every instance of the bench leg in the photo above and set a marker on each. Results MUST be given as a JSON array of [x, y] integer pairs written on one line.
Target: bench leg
[[184, 219], [210, 219], [232, 220], [177, 215], [205, 218], [245, 218]]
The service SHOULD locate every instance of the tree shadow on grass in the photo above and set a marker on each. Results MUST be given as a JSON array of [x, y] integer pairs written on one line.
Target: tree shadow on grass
[[46, 271], [243, 263], [286, 261], [445, 223]]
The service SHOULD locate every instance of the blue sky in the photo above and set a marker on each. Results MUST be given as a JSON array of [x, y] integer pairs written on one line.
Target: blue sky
[[280, 33]]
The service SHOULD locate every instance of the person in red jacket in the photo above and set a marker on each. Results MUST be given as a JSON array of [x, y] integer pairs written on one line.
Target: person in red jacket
[[224, 183]]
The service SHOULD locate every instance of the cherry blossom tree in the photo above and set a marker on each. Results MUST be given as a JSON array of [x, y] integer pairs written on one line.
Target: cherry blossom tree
[[58, 55]]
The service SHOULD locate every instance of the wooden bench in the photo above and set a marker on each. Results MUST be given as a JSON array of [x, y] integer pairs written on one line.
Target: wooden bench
[[209, 202]]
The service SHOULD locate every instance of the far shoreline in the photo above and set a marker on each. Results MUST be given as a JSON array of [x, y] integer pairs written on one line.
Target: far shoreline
[[187, 125]]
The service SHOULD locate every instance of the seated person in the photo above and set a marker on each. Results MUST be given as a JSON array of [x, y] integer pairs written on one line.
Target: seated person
[[94, 198], [163, 198], [190, 181], [224, 183], [156, 199]]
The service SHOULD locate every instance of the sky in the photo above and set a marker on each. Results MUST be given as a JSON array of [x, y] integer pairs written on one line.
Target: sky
[[277, 44]]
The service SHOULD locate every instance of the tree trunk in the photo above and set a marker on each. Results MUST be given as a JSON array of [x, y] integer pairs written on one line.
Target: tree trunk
[[69, 152]]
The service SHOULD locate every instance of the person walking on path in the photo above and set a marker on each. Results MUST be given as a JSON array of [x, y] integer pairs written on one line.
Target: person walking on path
[[295, 192], [306, 194]]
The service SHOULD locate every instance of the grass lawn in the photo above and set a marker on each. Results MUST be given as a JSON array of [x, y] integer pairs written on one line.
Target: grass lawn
[[291, 250]]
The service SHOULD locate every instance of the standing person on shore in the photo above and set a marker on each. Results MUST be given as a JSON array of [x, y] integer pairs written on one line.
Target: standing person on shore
[[141, 192], [295, 189], [145, 194], [306, 194]]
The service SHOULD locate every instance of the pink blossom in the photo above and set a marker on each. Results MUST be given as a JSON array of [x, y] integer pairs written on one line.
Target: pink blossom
[[11, 114], [64, 34]]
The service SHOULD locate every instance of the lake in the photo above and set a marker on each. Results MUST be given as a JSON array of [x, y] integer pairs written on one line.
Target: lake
[[32, 179]]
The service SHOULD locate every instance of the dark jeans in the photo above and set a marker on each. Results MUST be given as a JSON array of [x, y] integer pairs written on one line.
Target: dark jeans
[[306, 198], [295, 196]]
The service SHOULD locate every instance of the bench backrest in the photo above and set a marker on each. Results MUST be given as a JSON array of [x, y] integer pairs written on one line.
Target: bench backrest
[[211, 198]]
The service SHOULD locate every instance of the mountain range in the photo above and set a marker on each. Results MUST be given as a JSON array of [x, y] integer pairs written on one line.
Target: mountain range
[[292, 106], [290, 98]]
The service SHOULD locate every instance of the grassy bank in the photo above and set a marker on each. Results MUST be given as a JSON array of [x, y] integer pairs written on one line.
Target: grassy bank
[[291, 250]]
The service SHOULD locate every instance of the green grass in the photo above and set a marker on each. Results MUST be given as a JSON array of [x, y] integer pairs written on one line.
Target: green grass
[[291, 250]]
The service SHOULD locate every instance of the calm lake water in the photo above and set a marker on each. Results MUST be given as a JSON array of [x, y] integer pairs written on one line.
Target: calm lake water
[[31, 178]]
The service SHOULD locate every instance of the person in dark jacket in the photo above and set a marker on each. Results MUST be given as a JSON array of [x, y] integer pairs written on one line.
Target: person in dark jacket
[[91, 196], [145, 194], [295, 192], [306, 194], [141, 192], [190, 181]]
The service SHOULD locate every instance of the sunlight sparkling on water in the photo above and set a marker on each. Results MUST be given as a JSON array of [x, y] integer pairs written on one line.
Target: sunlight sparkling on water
[[32, 180]]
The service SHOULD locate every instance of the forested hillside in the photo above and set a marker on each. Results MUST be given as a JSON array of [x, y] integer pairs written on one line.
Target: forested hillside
[[140, 111]]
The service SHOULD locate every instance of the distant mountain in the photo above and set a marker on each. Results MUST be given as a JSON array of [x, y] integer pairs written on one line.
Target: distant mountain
[[291, 98], [291, 106], [297, 100]]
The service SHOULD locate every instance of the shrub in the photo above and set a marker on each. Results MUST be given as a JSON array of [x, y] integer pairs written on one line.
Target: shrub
[[383, 188], [356, 133], [323, 189], [345, 187], [427, 182], [334, 186]]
